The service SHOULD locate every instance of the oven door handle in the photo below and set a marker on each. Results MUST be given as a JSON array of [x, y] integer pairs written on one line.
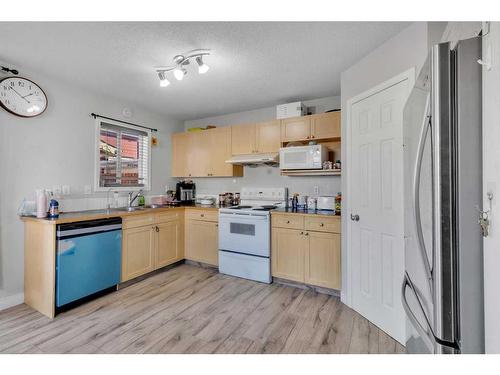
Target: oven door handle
[[246, 217]]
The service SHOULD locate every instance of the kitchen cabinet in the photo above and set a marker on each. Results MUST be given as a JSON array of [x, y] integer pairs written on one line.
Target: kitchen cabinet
[[150, 242], [262, 137], [138, 251], [306, 248], [203, 154], [288, 251], [320, 126], [202, 237]]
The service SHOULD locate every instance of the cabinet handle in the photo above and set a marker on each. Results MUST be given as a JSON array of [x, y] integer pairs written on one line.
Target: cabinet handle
[[288, 221], [301, 233], [307, 137], [322, 225], [217, 225], [312, 136], [307, 234], [202, 215], [157, 229]]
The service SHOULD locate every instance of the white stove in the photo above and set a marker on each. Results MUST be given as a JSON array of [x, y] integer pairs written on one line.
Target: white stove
[[245, 234]]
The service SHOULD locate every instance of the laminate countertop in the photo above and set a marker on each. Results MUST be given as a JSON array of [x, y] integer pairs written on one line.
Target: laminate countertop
[[76, 216], [304, 212]]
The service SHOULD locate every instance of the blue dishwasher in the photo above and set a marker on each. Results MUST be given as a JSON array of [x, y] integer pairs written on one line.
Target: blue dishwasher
[[88, 258]]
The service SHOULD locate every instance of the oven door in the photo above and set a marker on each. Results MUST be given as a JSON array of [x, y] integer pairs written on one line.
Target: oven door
[[245, 233]]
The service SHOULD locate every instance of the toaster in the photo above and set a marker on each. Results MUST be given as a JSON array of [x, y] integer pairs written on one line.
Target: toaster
[[326, 202]]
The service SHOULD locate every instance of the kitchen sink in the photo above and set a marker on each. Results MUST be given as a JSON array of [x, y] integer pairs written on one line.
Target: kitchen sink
[[128, 209]]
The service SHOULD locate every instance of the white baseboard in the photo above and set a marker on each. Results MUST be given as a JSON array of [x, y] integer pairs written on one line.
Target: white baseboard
[[9, 301]]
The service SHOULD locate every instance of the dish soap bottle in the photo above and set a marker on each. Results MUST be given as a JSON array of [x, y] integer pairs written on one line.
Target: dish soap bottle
[[53, 208]]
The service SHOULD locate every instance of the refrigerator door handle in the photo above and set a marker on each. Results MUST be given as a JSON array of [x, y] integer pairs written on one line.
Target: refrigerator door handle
[[427, 333], [416, 193]]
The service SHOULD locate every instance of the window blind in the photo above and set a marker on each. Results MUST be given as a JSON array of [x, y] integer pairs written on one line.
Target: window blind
[[124, 154]]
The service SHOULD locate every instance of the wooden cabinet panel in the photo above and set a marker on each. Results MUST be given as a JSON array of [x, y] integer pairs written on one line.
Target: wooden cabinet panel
[[202, 214], [323, 224], [219, 151], [169, 243], [202, 242], [268, 136], [243, 139], [138, 221], [169, 216], [287, 254], [322, 260], [198, 154], [138, 247], [295, 129], [287, 221], [180, 150], [325, 125]]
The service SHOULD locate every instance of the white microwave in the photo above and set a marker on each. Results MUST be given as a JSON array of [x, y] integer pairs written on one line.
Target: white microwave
[[303, 157]]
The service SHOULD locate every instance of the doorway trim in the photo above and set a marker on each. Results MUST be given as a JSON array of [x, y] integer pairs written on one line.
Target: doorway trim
[[345, 294]]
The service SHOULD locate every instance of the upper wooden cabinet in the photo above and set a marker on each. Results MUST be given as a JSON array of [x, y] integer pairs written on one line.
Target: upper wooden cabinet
[[320, 126], [203, 154], [262, 137]]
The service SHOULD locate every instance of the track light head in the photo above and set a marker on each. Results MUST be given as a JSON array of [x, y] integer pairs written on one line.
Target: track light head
[[179, 73], [164, 82], [202, 67]]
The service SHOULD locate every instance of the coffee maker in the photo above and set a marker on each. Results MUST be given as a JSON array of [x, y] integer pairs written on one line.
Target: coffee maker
[[185, 191]]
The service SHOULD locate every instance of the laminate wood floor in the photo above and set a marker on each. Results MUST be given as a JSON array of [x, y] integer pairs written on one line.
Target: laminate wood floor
[[189, 309]]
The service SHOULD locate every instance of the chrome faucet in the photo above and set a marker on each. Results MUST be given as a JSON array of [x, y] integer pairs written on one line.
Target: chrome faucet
[[132, 198]]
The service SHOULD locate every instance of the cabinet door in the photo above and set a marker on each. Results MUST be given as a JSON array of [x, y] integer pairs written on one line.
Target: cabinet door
[[268, 136], [198, 154], [243, 139], [219, 151], [138, 246], [322, 261], [169, 243], [180, 149], [295, 129], [325, 125], [287, 254], [202, 242]]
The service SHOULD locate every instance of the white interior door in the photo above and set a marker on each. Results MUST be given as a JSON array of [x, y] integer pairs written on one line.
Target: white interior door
[[376, 245]]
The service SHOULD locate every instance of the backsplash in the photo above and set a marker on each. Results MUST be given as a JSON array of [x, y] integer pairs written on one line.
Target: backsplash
[[265, 176]]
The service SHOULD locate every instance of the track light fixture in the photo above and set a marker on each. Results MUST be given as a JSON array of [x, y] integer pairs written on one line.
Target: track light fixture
[[179, 69]]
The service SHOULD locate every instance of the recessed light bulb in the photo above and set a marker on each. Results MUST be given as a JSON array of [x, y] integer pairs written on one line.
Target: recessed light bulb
[[164, 82], [202, 67], [179, 73]]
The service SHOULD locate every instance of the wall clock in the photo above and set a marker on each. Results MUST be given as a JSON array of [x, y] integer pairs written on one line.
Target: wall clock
[[22, 97]]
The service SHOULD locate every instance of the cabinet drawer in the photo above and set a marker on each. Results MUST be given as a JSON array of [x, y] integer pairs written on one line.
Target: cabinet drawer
[[323, 224], [205, 215], [288, 221], [138, 221], [167, 216]]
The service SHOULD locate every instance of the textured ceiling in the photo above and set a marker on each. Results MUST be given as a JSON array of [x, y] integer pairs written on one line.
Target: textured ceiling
[[253, 65]]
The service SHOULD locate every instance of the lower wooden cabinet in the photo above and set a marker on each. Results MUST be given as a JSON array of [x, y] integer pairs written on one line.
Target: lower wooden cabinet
[[303, 255], [288, 251], [202, 241], [322, 260], [138, 251], [149, 247]]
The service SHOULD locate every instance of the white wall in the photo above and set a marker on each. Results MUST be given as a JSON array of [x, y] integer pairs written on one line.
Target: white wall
[[263, 176], [491, 183], [57, 148], [405, 50]]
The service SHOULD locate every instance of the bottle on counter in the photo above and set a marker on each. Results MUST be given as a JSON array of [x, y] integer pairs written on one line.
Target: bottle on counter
[[53, 208], [141, 200], [41, 203], [338, 203], [295, 201]]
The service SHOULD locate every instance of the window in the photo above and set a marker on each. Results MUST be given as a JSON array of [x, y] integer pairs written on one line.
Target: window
[[123, 157]]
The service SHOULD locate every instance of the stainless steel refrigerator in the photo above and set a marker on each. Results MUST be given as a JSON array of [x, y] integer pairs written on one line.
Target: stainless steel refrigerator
[[442, 292]]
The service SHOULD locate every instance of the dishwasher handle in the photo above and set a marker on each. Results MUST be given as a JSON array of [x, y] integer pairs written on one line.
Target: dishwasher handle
[[86, 228]]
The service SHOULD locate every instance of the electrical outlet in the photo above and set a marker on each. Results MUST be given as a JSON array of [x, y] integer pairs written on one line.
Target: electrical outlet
[[87, 189], [66, 190], [316, 190]]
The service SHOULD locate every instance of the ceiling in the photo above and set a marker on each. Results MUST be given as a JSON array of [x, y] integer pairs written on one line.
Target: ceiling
[[253, 64]]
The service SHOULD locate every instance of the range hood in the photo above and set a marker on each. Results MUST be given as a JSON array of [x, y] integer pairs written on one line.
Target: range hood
[[254, 159]]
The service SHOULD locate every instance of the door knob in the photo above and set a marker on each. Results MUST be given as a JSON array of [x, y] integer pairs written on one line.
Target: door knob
[[354, 217]]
